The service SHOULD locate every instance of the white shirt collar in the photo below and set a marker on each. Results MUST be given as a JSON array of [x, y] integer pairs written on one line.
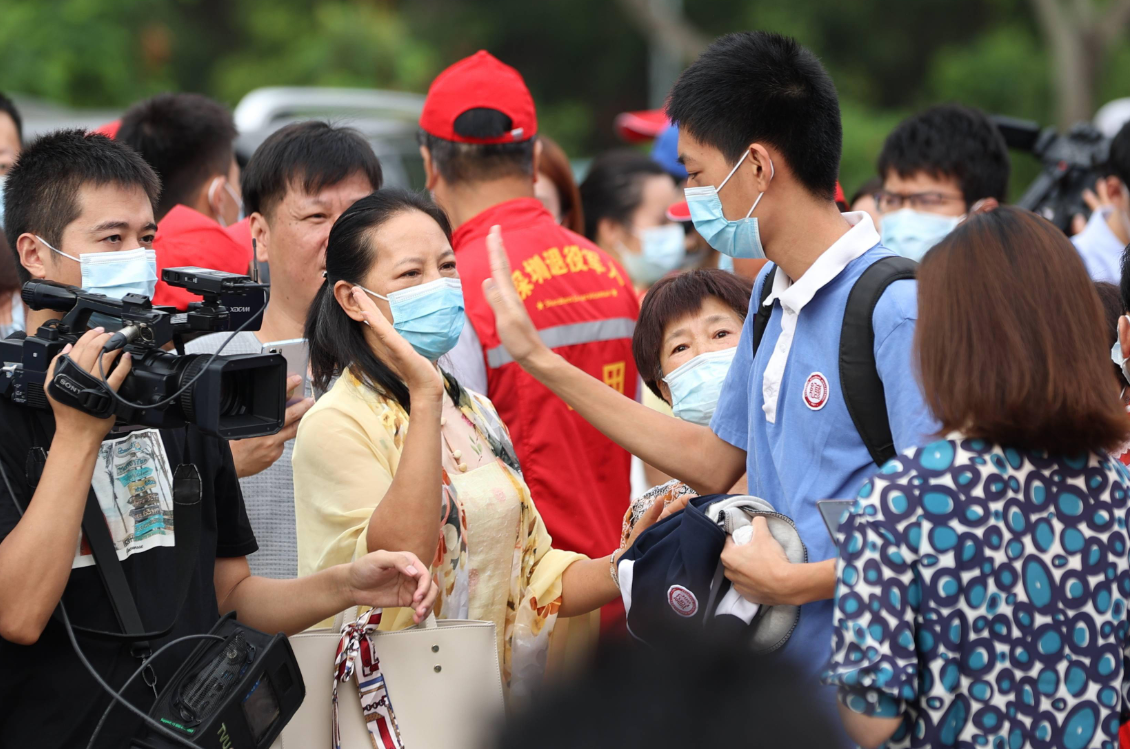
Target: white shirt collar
[[860, 238], [1097, 235]]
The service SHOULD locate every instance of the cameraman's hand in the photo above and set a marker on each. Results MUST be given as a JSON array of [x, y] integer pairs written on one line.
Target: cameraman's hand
[[255, 455], [387, 579], [71, 421]]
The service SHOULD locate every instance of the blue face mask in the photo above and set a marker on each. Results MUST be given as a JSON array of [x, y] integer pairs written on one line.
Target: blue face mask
[[116, 274], [739, 238], [428, 316], [1116, 357], [696, 385], [664, 248], [912, 233]]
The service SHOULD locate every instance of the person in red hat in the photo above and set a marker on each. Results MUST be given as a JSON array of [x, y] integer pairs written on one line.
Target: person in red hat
[[480, 150], [187, 139]]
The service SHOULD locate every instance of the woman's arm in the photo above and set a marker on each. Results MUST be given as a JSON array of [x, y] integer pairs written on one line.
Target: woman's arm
[[381, 579], [587, 583], [702, 459], [408, 517]]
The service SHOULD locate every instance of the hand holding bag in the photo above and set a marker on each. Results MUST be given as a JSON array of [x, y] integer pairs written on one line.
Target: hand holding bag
[[433, 686]]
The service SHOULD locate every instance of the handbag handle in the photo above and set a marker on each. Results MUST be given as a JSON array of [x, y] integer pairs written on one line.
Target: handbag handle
[[350, 614]]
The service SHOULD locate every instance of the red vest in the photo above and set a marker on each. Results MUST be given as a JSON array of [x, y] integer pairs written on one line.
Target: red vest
[[584, 307], [188, 237]]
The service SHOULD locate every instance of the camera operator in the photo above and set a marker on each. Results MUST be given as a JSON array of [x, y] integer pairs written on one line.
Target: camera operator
[[1107, 233], [76, 205]]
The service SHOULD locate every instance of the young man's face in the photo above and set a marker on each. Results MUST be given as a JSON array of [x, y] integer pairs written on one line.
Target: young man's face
[[111, 218], [293, 239], [707, 166], [922, 192]]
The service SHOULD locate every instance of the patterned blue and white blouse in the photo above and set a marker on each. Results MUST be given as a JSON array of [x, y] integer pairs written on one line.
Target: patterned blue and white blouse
[[981, 593]]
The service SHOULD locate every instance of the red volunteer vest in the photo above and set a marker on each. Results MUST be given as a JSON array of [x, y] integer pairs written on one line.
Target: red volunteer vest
[[584, 308], [187, 237]]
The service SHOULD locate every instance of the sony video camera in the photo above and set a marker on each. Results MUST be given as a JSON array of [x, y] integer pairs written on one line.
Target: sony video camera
[[1072, 162], [231, 397]]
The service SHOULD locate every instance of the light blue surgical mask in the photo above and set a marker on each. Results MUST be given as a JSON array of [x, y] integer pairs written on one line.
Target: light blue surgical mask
[[913, 233], [3, 179], [429, 316], [117, 273], [663, 249], [696, 385], [739, 238], [1116, 357]]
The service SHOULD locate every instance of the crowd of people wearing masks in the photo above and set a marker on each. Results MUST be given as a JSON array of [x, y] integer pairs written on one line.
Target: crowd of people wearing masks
[[605, 412]]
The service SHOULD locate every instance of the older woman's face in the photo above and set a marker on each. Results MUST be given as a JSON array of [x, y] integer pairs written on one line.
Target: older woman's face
[[411, 249], [716, 326]]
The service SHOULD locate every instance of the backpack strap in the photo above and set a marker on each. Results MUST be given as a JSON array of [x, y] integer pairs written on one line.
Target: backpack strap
[[761, 317], [859, 378]]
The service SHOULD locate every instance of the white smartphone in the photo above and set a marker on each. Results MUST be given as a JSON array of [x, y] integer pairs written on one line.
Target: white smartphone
[[297, 358]]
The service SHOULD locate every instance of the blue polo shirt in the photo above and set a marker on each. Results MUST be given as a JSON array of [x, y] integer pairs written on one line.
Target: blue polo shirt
[[804, 446]]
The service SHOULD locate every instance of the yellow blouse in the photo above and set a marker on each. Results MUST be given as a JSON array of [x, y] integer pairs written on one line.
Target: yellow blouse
[[346, 454]]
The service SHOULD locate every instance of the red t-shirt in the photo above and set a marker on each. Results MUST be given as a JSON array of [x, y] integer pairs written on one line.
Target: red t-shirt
[[189, 238]]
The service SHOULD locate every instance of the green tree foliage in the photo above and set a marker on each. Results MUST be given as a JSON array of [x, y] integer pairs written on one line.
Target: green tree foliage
[[585, 60]]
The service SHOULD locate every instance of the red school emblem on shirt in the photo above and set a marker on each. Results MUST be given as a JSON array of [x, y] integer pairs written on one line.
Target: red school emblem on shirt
[[682, 601], [816, 391]]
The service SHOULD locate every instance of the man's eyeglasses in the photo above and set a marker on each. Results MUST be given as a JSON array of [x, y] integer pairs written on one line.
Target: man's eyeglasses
[[893, 201]]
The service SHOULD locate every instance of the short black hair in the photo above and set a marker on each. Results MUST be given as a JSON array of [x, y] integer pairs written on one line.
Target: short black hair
[[950, 140], [312, 155], [673, 298], [1124, 281], [186, 138], [613, 187], [42, 190], [336, 341], [1118, 161], [472, 162], [8, 107], [757, 86]]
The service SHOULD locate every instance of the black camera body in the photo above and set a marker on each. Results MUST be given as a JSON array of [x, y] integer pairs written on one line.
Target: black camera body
[[1072, 161], [238, 693], [231, 397]]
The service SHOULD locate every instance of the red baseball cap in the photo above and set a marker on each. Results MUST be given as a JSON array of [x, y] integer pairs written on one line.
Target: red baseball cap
[[680, 212], [480, 81], [110, 129], [638, 127]]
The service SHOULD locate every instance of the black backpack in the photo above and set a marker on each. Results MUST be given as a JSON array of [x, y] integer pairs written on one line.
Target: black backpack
[[859, 380]]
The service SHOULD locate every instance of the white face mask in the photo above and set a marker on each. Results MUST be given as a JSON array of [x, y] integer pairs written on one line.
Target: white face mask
[[116, 274], [1116, 355], [662, 250], [697, 384], [232, 193]]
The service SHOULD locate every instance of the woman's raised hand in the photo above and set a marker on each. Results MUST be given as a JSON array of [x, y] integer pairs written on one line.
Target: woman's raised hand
[[515, 329], [420, 375]]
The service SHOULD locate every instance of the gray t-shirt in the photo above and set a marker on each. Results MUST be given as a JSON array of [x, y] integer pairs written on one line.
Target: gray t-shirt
[[268, 495]]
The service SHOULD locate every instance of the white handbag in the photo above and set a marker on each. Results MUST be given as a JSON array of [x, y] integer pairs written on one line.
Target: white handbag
[[443, 681]]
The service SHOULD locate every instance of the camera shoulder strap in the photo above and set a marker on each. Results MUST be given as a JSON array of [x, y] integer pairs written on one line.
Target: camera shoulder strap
[[187, 494]]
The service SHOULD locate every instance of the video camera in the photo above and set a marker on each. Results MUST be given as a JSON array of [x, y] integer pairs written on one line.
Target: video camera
[[232, 396], [1073, 162]]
